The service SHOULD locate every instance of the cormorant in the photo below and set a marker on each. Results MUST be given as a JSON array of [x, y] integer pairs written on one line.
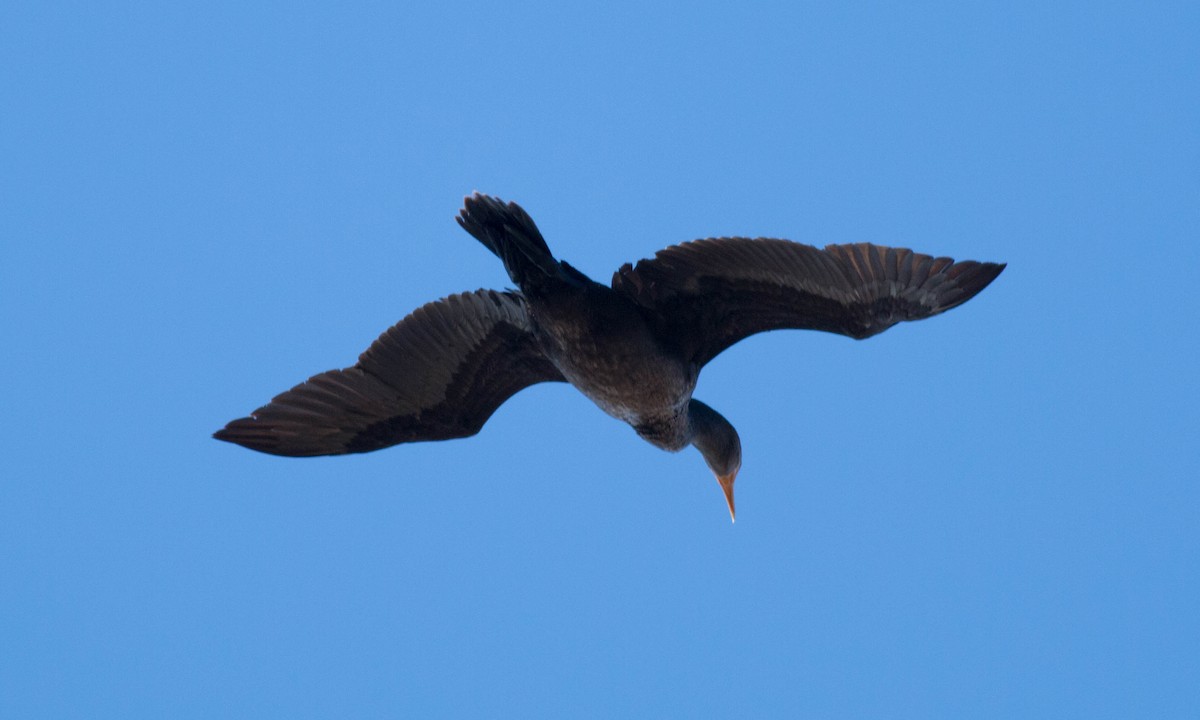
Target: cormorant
[[635, 348]]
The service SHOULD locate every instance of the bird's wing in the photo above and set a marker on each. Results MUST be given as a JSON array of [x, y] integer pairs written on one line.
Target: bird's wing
[[709, 294], [437, 374]]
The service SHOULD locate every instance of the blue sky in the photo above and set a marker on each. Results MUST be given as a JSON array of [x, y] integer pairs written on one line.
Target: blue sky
[[992, 513]]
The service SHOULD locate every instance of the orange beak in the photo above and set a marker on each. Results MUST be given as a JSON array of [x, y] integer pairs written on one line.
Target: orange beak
[[727, 486]]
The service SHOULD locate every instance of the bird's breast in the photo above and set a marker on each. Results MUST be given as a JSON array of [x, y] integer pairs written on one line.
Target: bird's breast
[[619, 366]]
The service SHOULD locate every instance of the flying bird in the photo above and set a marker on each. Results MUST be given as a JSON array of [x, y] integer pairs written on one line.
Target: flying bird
[[634, 348]]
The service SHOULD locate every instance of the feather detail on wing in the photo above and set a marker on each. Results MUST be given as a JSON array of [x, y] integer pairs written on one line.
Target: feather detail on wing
[[712, 293], [438, 374]]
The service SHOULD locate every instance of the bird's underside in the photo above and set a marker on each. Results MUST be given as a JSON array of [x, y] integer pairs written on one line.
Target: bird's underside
[[634, 347]]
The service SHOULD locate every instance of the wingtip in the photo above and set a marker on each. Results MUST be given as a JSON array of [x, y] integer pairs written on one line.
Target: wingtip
[[989, 271], [246, 432], [968, 279]]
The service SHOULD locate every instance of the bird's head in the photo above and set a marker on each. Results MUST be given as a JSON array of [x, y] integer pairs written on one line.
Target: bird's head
[[720, 445]]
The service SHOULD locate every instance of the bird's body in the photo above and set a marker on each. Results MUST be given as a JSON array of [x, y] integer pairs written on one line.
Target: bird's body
[[635, 348], [602, 345]]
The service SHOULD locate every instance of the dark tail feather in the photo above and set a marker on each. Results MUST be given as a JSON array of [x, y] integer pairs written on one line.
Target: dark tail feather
[[509, 232]]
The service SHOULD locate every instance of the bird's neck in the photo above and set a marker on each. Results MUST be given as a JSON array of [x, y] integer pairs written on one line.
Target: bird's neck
[[714, 437]]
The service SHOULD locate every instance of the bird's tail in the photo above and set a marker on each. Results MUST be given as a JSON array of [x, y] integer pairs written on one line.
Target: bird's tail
[[509, 232]]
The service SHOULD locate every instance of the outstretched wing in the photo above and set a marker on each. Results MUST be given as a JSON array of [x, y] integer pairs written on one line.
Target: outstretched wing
[[438, 374], [709, 294]]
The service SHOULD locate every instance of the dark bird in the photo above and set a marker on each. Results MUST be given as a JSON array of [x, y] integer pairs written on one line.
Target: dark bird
[[635, 348]]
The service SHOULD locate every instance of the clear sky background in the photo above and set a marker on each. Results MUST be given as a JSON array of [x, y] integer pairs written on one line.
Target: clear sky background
[[992, 513]]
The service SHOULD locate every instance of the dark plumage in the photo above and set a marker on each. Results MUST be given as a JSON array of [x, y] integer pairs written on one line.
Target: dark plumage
[[635, 348]]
